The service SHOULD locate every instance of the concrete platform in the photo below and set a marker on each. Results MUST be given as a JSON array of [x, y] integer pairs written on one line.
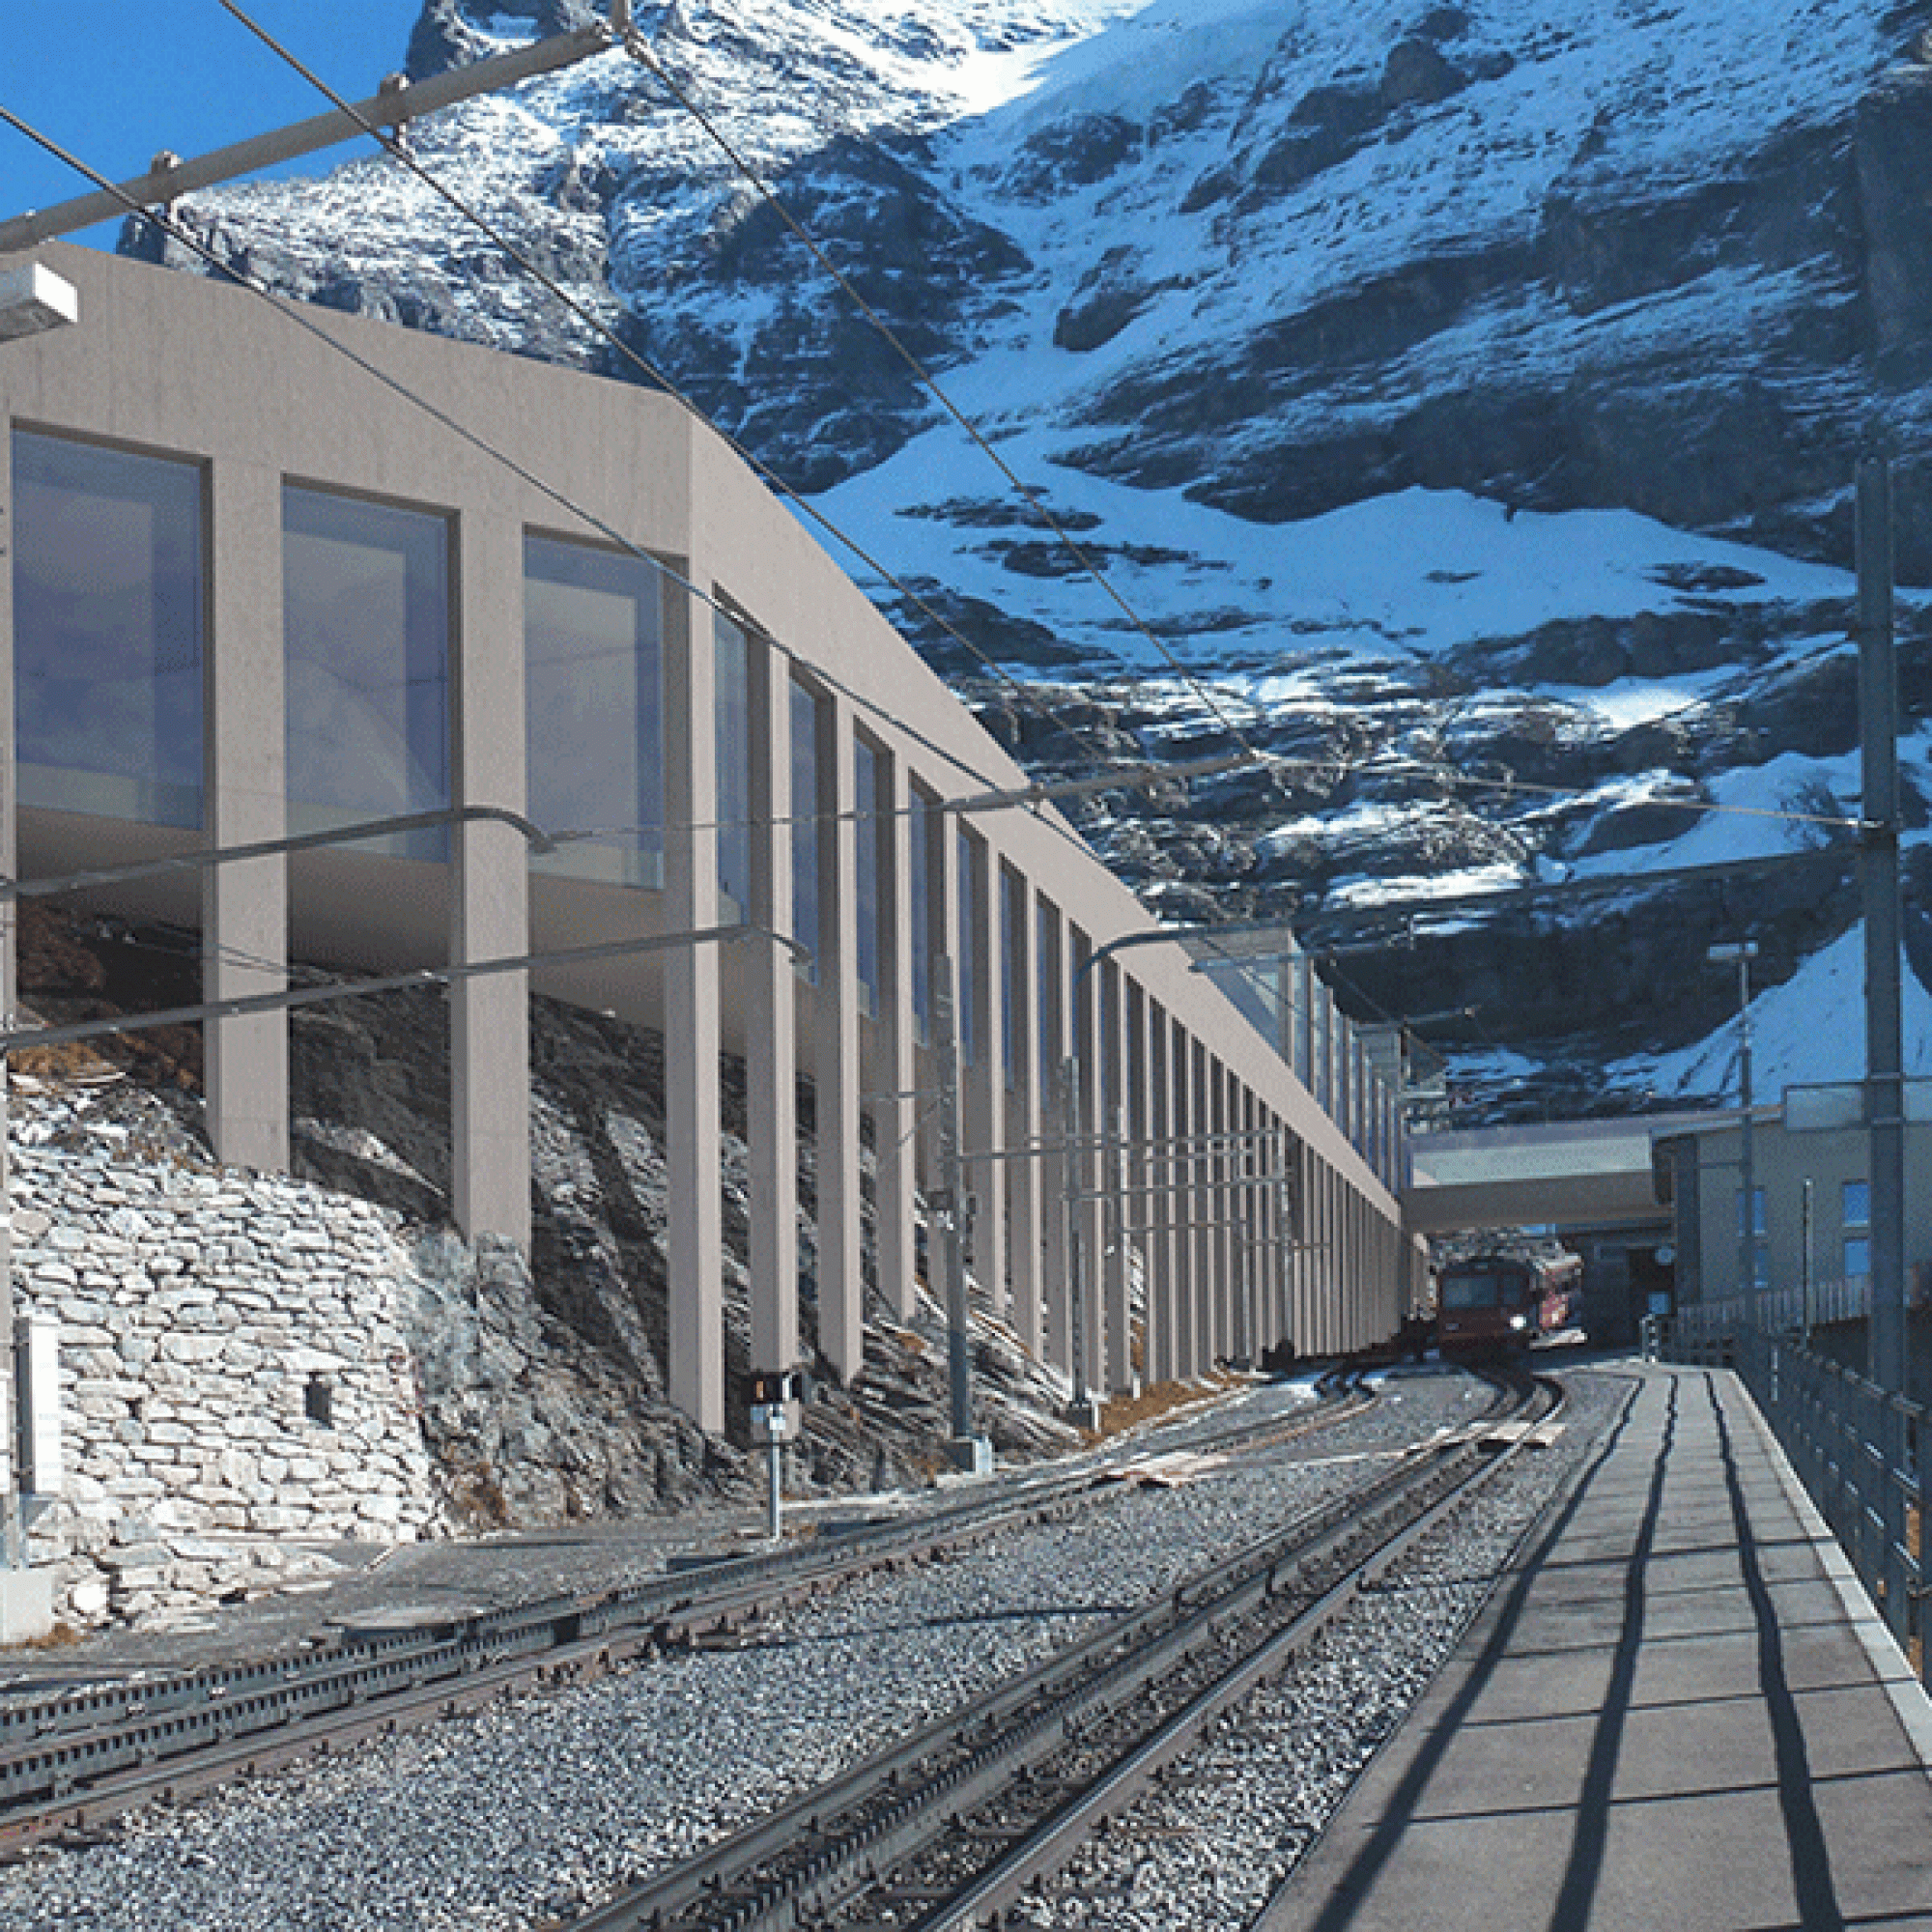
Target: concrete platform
[[1680, 1712]]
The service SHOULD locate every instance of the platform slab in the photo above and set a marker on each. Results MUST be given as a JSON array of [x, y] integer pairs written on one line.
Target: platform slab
[[1669, 1715]]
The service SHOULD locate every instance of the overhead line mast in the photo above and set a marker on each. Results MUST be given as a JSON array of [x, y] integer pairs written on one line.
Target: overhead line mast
[[393, 107]]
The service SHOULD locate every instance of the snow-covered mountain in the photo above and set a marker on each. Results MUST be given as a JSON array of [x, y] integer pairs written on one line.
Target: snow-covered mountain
[[1468, 395]]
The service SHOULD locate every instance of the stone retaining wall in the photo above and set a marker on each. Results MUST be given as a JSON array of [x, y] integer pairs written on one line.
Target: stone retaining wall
[[237, 1379]]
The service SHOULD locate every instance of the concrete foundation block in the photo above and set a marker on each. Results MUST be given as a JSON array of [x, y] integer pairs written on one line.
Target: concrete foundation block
[[26, 1605]]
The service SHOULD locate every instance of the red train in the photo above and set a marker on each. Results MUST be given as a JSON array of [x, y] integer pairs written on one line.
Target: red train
[[1496, 1304]]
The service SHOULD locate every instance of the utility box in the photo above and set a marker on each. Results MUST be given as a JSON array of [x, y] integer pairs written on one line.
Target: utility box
[[776, 1411], [37, 1442]]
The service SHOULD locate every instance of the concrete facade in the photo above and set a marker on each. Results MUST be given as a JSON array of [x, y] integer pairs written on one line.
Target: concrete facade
[[1191, 1267]]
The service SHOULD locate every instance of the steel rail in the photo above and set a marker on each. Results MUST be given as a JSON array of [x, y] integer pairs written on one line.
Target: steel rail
[[1048, 1850], [837, 1846], [71, 1760]]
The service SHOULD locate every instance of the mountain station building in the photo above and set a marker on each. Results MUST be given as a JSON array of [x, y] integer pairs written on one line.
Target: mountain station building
[[280, 572]]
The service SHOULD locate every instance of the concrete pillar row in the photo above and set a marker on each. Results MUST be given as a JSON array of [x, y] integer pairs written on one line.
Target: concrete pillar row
[[841, 1301], [771, 1031], [896, 1060], [246, 907], [696, 1347]]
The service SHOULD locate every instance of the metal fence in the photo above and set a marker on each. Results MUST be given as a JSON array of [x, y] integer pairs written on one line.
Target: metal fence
[[1862, 1454]]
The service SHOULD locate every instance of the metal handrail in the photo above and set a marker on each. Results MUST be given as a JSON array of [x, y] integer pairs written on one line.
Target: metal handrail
[[1862, 1453]]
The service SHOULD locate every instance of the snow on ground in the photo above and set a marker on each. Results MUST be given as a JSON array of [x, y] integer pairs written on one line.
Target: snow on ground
[[1808, 1032], [1787, 804], [1419, 571]]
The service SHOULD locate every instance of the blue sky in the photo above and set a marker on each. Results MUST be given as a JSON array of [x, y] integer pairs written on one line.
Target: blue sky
[[114, 81]]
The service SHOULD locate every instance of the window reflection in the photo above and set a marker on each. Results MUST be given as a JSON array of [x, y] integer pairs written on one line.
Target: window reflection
[[866, 877], [1046, 953], [593, 675], [1013, 966], [366, 627], [731, 670], [108, 639], [965, 966], [805, 817], [919, 907]]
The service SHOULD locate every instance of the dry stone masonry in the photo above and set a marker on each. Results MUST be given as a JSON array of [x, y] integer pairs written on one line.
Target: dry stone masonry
[[237, 1379]]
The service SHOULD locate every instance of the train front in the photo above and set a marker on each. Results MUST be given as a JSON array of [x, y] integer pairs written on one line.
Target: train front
[[1486, 1306]]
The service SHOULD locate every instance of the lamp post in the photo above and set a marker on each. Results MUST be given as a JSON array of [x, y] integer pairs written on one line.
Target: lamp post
[[1741, 953]]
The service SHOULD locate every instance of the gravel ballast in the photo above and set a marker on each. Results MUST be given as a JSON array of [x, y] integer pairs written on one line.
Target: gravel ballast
[[543, 1804]]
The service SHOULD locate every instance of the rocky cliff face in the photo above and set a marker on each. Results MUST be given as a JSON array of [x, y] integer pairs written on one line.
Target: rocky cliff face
[[1467, 394], [462, 1387]]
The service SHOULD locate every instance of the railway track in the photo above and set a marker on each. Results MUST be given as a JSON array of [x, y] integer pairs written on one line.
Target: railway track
[[71, 1760], [949, 1828]]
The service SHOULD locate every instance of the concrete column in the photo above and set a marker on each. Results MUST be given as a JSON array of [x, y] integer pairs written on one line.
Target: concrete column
[[12, 1530], [985, 1080], [246, 907], [771, 1033], [1221, 1210], [1119, 1346], [695, 1370], [1056, 1314], [1201, 1207], [895, 1061], [1137, 1211], [1305, 1259], [1248, 1237], [1334, 1326], [1262, 1165], [1088, 1218], [489, 1016], [1023, 1111], [1161, 1205], [841, 1303]]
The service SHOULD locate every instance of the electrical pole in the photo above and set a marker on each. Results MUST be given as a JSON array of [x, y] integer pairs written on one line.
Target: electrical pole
[[1741, 952], [1878, 870]]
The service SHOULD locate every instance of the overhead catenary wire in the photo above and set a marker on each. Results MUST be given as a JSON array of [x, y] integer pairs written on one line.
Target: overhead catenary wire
[[645, 55], [400, 152], [1326, 766], [293, 313]]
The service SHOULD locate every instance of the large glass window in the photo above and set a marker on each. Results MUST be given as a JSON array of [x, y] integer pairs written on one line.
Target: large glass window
[[966, 965], [731, 670], [1013, 915], [1048, 964], [866, 877], [804, 818], [1757, 1213], [1858, 1256], [1855, 1204], [593, 696], [919, 908], [107, 631], [366, 627]]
